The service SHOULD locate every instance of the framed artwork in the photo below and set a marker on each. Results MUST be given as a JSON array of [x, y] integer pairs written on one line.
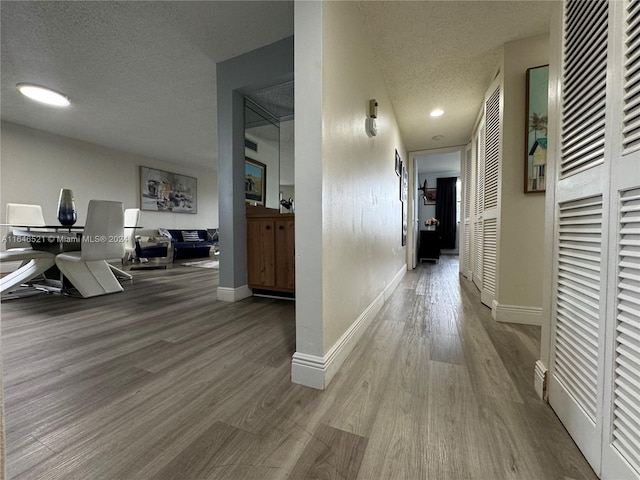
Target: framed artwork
[[429, 197], [535, 160], [398, 164], [255, 181], [400, 182], [404, 224], [404, 184], [162, 191]]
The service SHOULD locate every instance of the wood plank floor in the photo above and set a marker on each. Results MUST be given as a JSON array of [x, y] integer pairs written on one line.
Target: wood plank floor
[[164, 382]]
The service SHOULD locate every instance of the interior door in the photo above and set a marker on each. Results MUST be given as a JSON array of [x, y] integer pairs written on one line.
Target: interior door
[[465, 264], [478, 207], [491, 191], [580, 228], [621, 440]]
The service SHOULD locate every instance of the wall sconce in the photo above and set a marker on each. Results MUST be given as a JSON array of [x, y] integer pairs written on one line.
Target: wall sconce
[[371, 127]]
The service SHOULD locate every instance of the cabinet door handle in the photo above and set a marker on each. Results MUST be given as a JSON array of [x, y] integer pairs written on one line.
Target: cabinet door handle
[[268, 227], [280, 227]]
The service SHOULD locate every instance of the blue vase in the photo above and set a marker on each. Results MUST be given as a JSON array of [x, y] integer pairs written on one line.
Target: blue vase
[[67, 214]]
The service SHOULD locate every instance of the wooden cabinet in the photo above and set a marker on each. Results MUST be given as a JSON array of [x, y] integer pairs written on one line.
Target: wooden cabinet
[[271, 251]]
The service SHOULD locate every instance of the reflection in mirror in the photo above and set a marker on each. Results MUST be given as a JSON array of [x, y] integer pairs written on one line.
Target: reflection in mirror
[[262, 150], [287, 190], [274, 105]]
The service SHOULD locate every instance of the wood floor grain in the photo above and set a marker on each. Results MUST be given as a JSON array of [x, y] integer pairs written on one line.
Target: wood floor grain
[[165, 382]]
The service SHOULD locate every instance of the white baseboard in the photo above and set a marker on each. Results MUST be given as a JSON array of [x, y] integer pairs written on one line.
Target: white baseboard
[[228, 294], [315, 371], [494, 309], [518, 314], [309, 370], [540, 380]]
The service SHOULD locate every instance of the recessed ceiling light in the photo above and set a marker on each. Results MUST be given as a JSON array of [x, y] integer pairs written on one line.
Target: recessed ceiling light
[[437, 113], [43, 95]]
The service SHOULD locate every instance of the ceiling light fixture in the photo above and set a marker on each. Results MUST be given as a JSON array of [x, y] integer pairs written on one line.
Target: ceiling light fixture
[[437, 113], [43, 95]]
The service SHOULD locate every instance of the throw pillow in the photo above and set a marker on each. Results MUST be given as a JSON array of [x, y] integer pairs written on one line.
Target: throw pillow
[[165, 232], [190, 237]]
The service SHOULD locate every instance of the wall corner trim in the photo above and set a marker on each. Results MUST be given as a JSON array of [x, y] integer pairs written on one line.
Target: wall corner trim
[[228, 294], [540, 380], [518, 314], [315, 371]]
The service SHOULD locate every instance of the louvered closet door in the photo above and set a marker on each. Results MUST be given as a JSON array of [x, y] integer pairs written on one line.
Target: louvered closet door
[[465, 264], [477, 233], [580, 230], [621, 451], [491, 204]]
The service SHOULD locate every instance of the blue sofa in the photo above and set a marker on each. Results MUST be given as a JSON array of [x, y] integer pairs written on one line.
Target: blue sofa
[[191, 243]]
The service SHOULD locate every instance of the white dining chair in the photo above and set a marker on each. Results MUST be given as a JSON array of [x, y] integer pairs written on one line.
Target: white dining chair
[[33, 263], [88, 270], [25, 214], [22, 214]]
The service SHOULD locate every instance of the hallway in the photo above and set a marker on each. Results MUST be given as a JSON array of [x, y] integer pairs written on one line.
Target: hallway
[[140, 385]]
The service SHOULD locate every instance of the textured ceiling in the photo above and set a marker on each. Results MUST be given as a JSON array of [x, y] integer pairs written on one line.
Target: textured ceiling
[[445, 55], [142, 76], [277, 100]]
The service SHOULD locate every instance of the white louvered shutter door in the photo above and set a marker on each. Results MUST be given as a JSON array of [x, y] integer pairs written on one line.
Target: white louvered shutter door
[[492, 156], [478, 208], [581, 228], [621, 449], [466, 213]]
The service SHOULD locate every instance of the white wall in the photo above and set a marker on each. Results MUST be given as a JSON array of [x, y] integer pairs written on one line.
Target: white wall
[[35, 165], [362, 212], [348, 214], [522, 216]]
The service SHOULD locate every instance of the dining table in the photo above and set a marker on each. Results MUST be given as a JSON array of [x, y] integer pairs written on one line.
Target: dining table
[[55, 239], [50, 238]]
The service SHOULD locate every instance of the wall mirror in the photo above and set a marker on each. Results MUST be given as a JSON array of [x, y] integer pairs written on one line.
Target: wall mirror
[[269, 140], [262, 156]]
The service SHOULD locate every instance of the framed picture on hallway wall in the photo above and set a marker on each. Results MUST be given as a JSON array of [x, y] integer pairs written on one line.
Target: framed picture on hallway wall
[[405, 207], [404, 184], [535, 155]]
